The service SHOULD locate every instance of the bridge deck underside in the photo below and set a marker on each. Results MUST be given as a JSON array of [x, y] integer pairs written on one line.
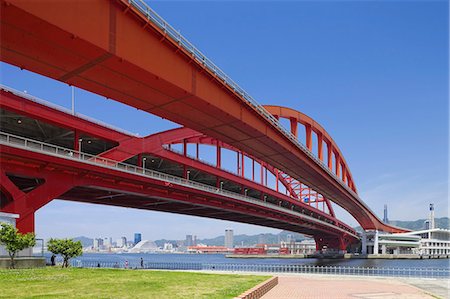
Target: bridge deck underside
[[104, 54], [96, 184], [115, 198]]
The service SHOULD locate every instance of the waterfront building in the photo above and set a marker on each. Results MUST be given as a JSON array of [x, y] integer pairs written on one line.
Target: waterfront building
[[137, 238], [375, 242], [144, 246], [204, 249], [168, 247], [98, 243], [261, 239], [229, 241], [430, 242], [299, 247], [289, 238], [433, 242], [122, 242], [107, 242], [189, 241]]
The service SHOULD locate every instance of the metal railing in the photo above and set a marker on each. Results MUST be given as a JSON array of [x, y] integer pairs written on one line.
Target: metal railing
[[54, 150], [197, 55], [64, 109], [275, 268]]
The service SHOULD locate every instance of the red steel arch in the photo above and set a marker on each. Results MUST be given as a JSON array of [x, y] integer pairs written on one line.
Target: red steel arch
[[186, 137], [295, 117]]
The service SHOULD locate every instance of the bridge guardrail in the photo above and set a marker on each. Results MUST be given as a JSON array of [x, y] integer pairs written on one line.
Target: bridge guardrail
[[202, 59], [42, 147], [64, 109], [275, 268]]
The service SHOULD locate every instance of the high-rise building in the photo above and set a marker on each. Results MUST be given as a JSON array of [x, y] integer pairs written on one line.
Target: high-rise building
[[385, 217], [137, 238], [98, 242], [189, 241], [95, 243], [261, 239], [122, 242], [229, 242], [289, 238], [107, 242], [431, 216]]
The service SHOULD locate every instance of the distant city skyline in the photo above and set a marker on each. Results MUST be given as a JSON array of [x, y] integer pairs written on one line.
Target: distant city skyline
[[373, 74]]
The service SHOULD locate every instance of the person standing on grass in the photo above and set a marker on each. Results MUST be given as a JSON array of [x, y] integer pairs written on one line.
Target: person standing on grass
[[52, 259], [142, 263], [126, 264]]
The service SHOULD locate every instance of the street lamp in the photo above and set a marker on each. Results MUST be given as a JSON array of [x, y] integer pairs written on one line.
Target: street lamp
[[143, 164], [187, 174], [80, 140]]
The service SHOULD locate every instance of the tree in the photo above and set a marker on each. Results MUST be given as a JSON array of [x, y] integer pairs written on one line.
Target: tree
[[15, 241], [65, 247]]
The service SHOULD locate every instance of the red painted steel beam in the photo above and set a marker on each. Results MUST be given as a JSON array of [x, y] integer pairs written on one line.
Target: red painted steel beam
[[129, 146], [83, 174], [19, 105]]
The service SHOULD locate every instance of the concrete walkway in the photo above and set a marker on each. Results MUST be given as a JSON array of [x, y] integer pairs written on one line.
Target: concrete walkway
[[344, 287]]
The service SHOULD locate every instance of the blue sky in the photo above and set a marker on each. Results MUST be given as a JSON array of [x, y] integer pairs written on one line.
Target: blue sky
[[374, 74]]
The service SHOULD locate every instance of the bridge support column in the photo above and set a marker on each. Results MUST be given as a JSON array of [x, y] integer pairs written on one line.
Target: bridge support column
[[25, 204], [25, 223], [364, 243], [330, 242]]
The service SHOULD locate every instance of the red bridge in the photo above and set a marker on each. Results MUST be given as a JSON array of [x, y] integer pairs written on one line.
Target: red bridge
[[124, 51]]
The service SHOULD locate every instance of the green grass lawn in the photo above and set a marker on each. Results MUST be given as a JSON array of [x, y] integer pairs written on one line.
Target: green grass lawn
[[117, 283]]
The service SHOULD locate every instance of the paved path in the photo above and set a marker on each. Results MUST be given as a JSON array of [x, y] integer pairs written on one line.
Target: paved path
[[317, 287]]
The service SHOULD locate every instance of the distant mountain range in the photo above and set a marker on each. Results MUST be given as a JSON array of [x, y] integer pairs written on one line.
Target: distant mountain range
[[85, 241], [443, 222], [248, 240], [242, 240]]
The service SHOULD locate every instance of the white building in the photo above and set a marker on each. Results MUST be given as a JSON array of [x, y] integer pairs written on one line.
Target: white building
[[229, 241], [303, 247], [434, 242], [375, 242], [168, 247], [11, 219], [122, 242], [98, 243], [144, 246], [430, 242], [107, 242]]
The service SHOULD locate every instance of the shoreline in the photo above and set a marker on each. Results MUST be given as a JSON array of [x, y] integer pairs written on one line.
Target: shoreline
[[339, 256]]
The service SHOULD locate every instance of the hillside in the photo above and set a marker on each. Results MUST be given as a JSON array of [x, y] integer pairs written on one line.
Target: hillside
[[242, 240], [443, 222], [85, 241]]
